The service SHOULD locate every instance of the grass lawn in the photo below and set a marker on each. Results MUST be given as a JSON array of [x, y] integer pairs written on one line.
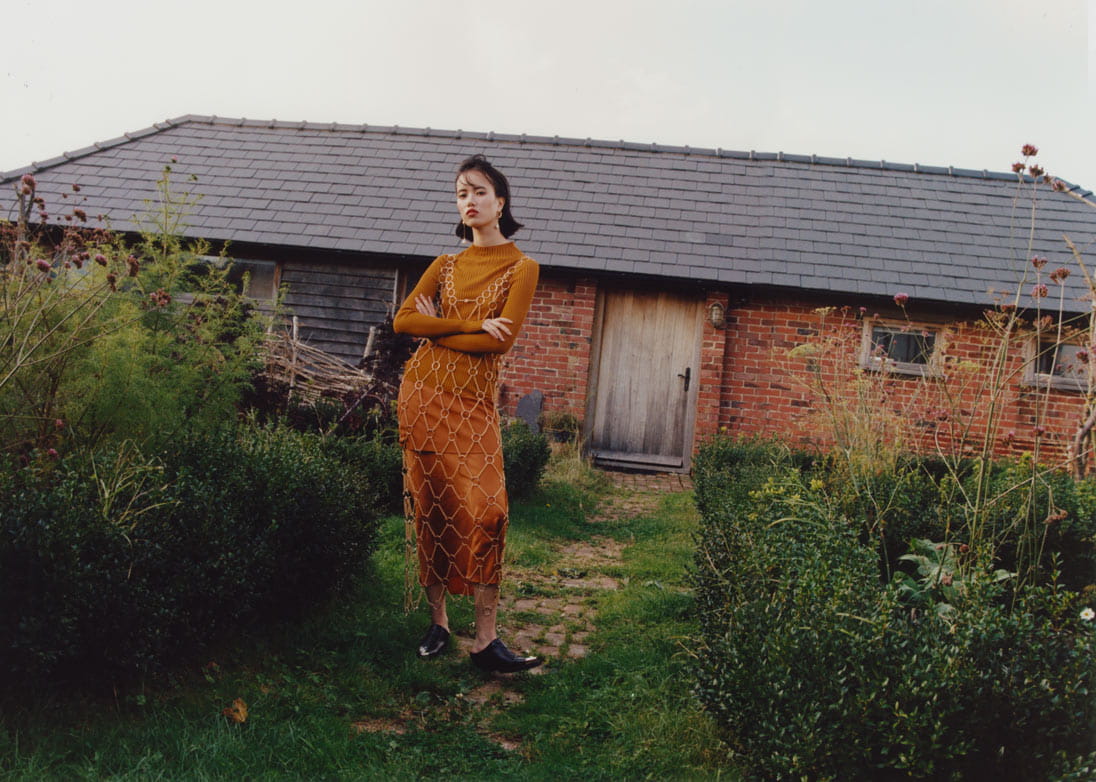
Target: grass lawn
[[343, 696]]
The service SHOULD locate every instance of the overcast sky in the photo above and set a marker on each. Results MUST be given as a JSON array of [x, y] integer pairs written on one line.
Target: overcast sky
[[939, 82]]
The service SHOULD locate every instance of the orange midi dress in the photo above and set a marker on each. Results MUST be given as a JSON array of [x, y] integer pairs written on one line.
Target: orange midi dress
[[454, 483]]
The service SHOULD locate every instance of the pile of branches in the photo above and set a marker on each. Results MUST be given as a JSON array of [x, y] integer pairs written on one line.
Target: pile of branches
[[315, 389]]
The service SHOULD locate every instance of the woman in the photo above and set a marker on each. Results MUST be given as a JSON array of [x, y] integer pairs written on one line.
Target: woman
[[469, 308]]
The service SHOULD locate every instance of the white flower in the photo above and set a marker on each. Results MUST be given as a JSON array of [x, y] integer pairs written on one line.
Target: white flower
[[1087, 614]]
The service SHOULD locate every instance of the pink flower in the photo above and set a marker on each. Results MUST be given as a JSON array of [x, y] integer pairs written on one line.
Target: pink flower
[[28, 181], [100, 259], [963, 548], [75, 188], [160, 298], [1059, 275], [112, 281], [1082, 356], [1038, 261], [1017, 167], [1029, 150], [1058, 185], [134, 265], [1035, 171], [43, 265], [59, 424], [52, 453], [80, 215], [1039, 290], [901, 298]]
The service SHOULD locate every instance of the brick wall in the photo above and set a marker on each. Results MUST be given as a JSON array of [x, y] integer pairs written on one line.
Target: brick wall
[[770, 387], [552, 353], [756, 379]]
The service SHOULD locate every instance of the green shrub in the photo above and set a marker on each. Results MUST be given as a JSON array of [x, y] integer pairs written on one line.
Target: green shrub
[[117, 564], [815, 667], [525, 455], [378, 461]]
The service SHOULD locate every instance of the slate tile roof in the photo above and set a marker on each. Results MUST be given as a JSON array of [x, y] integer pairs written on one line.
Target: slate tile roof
[[821, 224]]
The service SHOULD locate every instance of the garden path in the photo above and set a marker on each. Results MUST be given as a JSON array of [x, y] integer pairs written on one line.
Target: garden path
[[552, 613]]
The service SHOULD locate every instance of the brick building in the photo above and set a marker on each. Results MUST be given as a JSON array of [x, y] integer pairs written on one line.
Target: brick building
[[683, 291]]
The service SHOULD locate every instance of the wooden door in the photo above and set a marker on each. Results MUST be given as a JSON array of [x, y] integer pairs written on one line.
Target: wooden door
[[645, 364]]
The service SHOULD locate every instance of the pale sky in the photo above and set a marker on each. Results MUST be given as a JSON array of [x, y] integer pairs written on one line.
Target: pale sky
[[937, 82]]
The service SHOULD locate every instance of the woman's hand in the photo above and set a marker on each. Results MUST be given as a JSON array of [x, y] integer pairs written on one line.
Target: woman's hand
[[499, 328], [425, 306]]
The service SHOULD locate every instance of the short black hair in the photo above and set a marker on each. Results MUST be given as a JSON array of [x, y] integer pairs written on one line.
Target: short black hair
[[507, 224]]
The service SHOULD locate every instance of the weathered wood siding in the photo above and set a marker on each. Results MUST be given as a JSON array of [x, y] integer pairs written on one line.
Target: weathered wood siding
[[337, 303]]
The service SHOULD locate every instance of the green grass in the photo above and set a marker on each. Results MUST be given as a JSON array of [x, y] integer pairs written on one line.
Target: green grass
[[623, 712]]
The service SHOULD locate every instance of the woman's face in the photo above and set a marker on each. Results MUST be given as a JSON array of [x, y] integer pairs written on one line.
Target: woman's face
[[477, 203]]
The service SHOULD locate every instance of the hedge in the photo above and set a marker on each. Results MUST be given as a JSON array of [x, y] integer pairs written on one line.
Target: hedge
[[816, 666]]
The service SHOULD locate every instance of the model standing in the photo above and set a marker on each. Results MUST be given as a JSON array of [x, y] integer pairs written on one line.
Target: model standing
[[469, 308]]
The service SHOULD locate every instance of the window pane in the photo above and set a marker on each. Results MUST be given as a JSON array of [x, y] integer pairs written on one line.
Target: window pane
[[260, 283], [906, 347], [1065, 364]]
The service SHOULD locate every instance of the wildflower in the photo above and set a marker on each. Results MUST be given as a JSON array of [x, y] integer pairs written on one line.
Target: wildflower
[[1040, 431], [1058, 185], [160, 297], [1017, 167], [1029, 150], [80, 215], [100, 259], [52, 453], [816, 484], [42, 264], [1082, 356], [1038, 261], [1087, 614], [1059, 275], [75, 188], [28, 181], [863, 310], [134, 265], [901, 298], [1039, 290], [1035, 171], [58, 424], [112, 281], [963, 548]]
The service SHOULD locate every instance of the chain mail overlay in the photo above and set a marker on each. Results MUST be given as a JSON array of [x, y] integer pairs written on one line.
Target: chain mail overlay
[[454, 484]]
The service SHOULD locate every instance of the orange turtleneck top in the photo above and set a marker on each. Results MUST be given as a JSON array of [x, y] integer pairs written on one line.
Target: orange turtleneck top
[[468, 288]]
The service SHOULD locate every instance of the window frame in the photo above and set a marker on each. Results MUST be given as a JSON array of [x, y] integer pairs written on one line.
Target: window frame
[[872, 363], [1033, 376]]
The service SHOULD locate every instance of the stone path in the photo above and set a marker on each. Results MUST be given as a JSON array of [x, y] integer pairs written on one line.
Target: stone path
[[552, 614]]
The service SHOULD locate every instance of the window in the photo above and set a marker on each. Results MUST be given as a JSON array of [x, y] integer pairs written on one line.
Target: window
[[1061, 366], [898, 347], [262, 276]]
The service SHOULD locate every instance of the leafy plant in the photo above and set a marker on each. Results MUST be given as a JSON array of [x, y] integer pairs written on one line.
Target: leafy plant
[[525, 455]]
